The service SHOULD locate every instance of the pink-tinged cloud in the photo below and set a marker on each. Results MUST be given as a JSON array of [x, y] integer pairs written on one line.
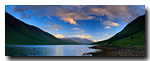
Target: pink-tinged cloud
[[52, 25], [110, 23], [49, 17], [56, 27], [108, 27], [71, 21], [46, 30], [76, 29]]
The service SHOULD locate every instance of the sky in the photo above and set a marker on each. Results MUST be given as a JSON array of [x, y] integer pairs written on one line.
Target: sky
[[94, 22]]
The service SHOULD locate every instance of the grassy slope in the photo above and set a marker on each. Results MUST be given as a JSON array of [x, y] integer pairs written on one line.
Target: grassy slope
[[132, 34], [19, 33]]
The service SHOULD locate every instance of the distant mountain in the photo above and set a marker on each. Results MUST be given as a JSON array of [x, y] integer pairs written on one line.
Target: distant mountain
[[132, 34], [81, 40], [70, 41], [20, 33]]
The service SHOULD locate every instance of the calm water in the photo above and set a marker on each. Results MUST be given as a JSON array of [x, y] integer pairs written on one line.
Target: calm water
[[47, 50]]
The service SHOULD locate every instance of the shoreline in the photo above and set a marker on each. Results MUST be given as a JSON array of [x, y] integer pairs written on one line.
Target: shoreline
[[115, 51]]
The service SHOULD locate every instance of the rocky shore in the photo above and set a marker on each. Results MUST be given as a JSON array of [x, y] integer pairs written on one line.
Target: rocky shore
[[115, 51]]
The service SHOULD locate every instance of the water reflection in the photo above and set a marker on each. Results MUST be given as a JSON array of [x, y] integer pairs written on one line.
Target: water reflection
[[47, 50], [59, 50]]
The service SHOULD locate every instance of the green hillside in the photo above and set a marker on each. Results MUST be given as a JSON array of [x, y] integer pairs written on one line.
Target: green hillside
[[132, 34], [20, 33]]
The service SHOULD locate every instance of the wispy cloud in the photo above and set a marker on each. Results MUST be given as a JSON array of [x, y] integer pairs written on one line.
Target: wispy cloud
[[47, 27], [46, 30], [52, 25], [108, 27], [109, 23], [45, 19], [104, 37], [107, 36], [49, 17], [76, 28], [81, 32], [83, 36], [56, 27]]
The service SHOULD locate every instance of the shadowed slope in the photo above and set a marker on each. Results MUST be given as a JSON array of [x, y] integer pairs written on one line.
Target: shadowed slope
[[133, 33], [20, 33]]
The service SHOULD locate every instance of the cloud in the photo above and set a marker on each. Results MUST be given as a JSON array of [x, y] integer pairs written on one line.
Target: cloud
[[101, 19], [71, 21], [58, 36], [107, 36], [124, 12], [94, 40], [25, 16], [104, 39], [110, 23], [72, 13], [56, 27], [21, 8], [80, 33], [99, 40], [108, 27], [49, 17], [45, 20], [39, 16], [79, 36], [76, 28], [83, 36], [52, 25], [46, 30], [47, 27]]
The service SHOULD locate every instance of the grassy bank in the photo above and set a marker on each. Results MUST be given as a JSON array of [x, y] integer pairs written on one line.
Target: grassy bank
[[133, 35], [137, 40]]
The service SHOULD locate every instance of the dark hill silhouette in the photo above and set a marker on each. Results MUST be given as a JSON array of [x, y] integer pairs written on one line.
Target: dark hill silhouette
[[20, 33]]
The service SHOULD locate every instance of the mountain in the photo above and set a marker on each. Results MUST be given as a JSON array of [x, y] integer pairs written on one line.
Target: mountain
[[81, 40], [132, 34], [70, 41], [20, 33]]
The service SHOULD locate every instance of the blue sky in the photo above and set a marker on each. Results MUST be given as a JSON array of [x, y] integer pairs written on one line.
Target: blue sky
[[95, 22]]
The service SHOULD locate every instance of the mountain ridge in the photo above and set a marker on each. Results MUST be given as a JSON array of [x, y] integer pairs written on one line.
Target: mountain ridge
[[20, 33], [130, 32], [81, 40]]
